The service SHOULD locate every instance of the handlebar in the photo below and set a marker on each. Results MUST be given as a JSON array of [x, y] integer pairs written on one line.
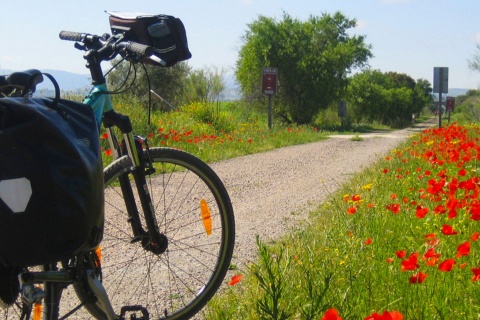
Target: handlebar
[[113, 45], [105, 48]]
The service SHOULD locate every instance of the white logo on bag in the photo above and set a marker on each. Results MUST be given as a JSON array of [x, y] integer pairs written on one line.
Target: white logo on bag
[[16, 193]]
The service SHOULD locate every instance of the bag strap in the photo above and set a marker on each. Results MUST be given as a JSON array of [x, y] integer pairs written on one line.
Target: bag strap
[[56, 100]]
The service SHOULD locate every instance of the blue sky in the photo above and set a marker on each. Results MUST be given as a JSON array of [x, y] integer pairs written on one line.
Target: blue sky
[[408, 36]]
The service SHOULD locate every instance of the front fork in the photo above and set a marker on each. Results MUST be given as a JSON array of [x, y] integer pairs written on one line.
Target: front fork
[[152, 240]]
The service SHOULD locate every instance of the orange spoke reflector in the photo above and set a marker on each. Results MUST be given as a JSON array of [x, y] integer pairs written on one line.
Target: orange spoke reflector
[[98, 253], [37, 311], [206, 217]]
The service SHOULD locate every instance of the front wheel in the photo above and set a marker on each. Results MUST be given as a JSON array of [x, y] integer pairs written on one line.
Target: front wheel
[[193, 212]]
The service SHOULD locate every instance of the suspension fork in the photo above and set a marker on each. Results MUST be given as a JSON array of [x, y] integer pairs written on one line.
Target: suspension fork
[[157, 242]]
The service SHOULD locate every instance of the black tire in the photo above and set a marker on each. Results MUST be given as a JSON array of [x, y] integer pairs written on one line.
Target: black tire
[[179, 282]]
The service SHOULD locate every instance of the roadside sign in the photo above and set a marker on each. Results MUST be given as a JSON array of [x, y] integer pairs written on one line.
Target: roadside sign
[[440, 80], [450, 104], [269, 81]]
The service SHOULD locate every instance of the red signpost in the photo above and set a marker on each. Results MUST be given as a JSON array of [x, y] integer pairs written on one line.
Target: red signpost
[[269, 88]]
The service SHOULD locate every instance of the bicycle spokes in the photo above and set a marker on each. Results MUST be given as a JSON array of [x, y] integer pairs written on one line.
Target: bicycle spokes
[[206, 216]]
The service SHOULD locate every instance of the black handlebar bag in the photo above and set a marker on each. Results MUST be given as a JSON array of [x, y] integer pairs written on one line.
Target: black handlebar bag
[[166, 34], [51, 181]]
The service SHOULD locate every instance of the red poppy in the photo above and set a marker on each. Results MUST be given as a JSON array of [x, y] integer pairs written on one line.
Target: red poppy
[[368, 241], [393, 207], [431, 254], [351, 210], [401, 254], [417, 278], [476, 274], [447, 265], [448, 230], [356, 197], [475, 236], [462, 172], [389, 260], [393, 315], [411, 263], [331, 314], [235, 279], [463, 249], [421, 212]]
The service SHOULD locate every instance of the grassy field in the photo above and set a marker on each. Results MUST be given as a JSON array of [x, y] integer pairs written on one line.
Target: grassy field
[[402, 244]]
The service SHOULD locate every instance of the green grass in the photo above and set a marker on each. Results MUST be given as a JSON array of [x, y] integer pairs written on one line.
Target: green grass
[[212, 132], [348, 254]]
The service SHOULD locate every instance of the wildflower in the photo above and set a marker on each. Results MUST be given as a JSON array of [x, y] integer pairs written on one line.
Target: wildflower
[[401, 254], [421, 212], [448, 230], [389, 260], [235, 279], [368, 241], [463, 249], [108, 152], [367, 187], [352, 210], [431, 254], [411, 263], [393, 315], [447, 265], [356, 198], [475, 236], [331, 314], [393, 207], [476, 274], [417, 278], [462, 172]]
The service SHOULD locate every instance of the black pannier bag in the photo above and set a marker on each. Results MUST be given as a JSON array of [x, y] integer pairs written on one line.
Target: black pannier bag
[[166, 34], [51, 181]]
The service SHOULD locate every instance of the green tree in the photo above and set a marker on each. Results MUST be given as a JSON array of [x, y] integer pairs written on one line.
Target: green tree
[[206, 84], [388, 98], [169, 83], [313, 60]]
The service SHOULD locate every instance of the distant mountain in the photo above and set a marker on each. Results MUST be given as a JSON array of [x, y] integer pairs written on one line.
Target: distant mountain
[[454, 92], [67, 81]]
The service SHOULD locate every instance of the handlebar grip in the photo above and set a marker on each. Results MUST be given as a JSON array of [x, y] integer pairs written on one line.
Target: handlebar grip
[[72, 36], [139, 49]]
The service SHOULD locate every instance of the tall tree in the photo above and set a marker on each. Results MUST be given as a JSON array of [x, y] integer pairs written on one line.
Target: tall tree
[[474, 63], [313, 60], [169, 83]]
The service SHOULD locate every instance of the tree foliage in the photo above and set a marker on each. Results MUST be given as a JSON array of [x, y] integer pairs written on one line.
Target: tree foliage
[[388, 98], [178, 85], [313, 60], [169, 83]]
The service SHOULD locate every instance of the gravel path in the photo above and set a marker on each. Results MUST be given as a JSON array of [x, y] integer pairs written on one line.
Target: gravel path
[[272, 190]]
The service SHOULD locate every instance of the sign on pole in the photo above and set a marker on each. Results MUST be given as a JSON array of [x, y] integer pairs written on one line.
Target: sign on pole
[[440, 85], [269, 88], [269, 81], [450, 107], [440, 80]]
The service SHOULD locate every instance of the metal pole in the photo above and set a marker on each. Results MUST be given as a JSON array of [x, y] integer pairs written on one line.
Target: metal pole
[[270, 120], [440, 89]]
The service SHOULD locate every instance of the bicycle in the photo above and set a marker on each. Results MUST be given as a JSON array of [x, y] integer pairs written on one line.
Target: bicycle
[[169, 225]]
